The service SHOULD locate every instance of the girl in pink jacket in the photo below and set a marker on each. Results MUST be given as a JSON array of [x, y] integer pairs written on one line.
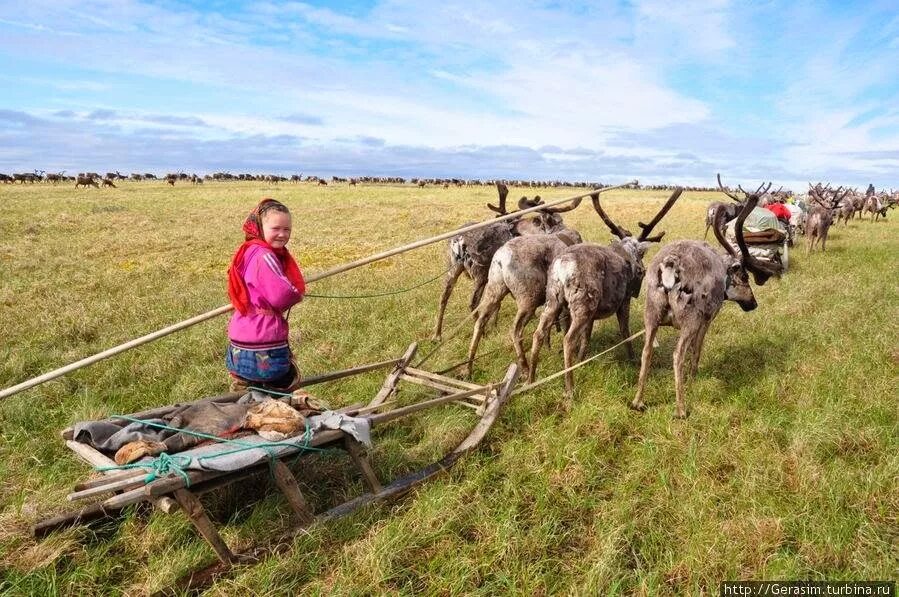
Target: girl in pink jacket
[[264, 282]]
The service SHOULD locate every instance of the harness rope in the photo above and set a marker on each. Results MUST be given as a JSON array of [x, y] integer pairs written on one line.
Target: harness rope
[[378, 294], [557, 374]]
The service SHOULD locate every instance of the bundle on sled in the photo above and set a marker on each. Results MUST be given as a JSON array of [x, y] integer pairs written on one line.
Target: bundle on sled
[[765, 236], [169, 455]]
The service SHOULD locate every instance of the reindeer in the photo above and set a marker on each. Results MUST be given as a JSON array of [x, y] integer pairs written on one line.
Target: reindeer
[[820, 216], [86, 180], [874, 206], [56, 177], [107, 182], [519, 267], [592, 282], [686, 285], [472, 252], [849, 207], [730, 210]]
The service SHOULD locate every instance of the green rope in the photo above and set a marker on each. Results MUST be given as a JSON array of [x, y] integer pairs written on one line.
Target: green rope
[[379, 294], [165, 464], [159, 467]]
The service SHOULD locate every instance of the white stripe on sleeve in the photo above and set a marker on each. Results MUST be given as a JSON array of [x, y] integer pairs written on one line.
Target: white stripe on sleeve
[[276, 268]]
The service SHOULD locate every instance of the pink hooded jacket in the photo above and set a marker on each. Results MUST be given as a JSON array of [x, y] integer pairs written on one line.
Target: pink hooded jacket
[[271, 293]]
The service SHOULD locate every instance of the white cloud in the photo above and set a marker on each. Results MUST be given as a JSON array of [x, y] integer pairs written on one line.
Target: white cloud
[[449, 76]]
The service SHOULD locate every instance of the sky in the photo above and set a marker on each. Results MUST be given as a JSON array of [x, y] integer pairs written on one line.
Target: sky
[[665, 92]]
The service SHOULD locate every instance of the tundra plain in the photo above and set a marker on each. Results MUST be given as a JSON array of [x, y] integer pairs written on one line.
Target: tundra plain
[[787, 468]]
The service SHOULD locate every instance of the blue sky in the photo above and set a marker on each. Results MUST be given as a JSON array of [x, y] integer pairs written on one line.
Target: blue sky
[[661, 91]]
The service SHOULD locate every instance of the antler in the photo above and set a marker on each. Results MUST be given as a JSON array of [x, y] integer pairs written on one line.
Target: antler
[[562, 209], [503, 191], [814, 196], [647, 228], [761, 190], [760, 271], [615, 228], [726, 192], [718, 222], [836, 201]]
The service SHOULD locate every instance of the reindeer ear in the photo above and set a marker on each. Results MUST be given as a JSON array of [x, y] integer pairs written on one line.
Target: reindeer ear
[[642, 247]]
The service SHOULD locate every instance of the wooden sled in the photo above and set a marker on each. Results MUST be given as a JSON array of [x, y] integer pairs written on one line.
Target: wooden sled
[[179, 491]]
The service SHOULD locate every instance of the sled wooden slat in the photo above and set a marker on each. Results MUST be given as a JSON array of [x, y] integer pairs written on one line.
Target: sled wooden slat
[[478, 396], [440, 378], [197, 515], [362, 463], [98, 460], [287, 483]]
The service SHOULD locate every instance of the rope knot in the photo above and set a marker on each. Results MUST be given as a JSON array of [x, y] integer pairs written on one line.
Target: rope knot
[[164, 465]]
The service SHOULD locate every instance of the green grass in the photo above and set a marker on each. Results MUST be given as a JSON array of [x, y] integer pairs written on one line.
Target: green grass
[[788, 466]]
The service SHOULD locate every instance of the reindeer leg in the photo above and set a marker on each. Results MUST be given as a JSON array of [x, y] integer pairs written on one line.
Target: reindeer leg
[[477, 293], [572, 339], [581, 316], [696, 349], [637, 403], [680, 352], [522, 317], [480, 277], [488, 306], [585, 341], [543, 329], [451, 276], [563, 321], [624, 316]]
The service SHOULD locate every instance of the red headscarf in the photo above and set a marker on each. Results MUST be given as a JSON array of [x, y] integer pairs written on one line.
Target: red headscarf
[[252, 227]]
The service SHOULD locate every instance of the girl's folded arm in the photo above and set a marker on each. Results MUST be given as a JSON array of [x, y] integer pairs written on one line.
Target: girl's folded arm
[[267, 276]]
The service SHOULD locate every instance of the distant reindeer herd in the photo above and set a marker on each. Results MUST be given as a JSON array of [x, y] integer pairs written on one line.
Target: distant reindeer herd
[[171, 178]]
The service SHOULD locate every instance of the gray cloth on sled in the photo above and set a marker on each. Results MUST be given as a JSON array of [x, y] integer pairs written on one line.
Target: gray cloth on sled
[[226, 456], [214, 419], [357, 427], [210, 418]]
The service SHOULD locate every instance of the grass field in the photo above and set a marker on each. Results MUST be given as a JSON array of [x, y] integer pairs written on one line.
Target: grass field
[[788, 466]]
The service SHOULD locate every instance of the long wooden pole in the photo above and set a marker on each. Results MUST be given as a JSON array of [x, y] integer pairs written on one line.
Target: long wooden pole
[[313, 278]]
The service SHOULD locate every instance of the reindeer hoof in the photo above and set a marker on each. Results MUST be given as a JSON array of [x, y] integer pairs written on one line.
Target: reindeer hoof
[[637, 406], [680, 415]]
